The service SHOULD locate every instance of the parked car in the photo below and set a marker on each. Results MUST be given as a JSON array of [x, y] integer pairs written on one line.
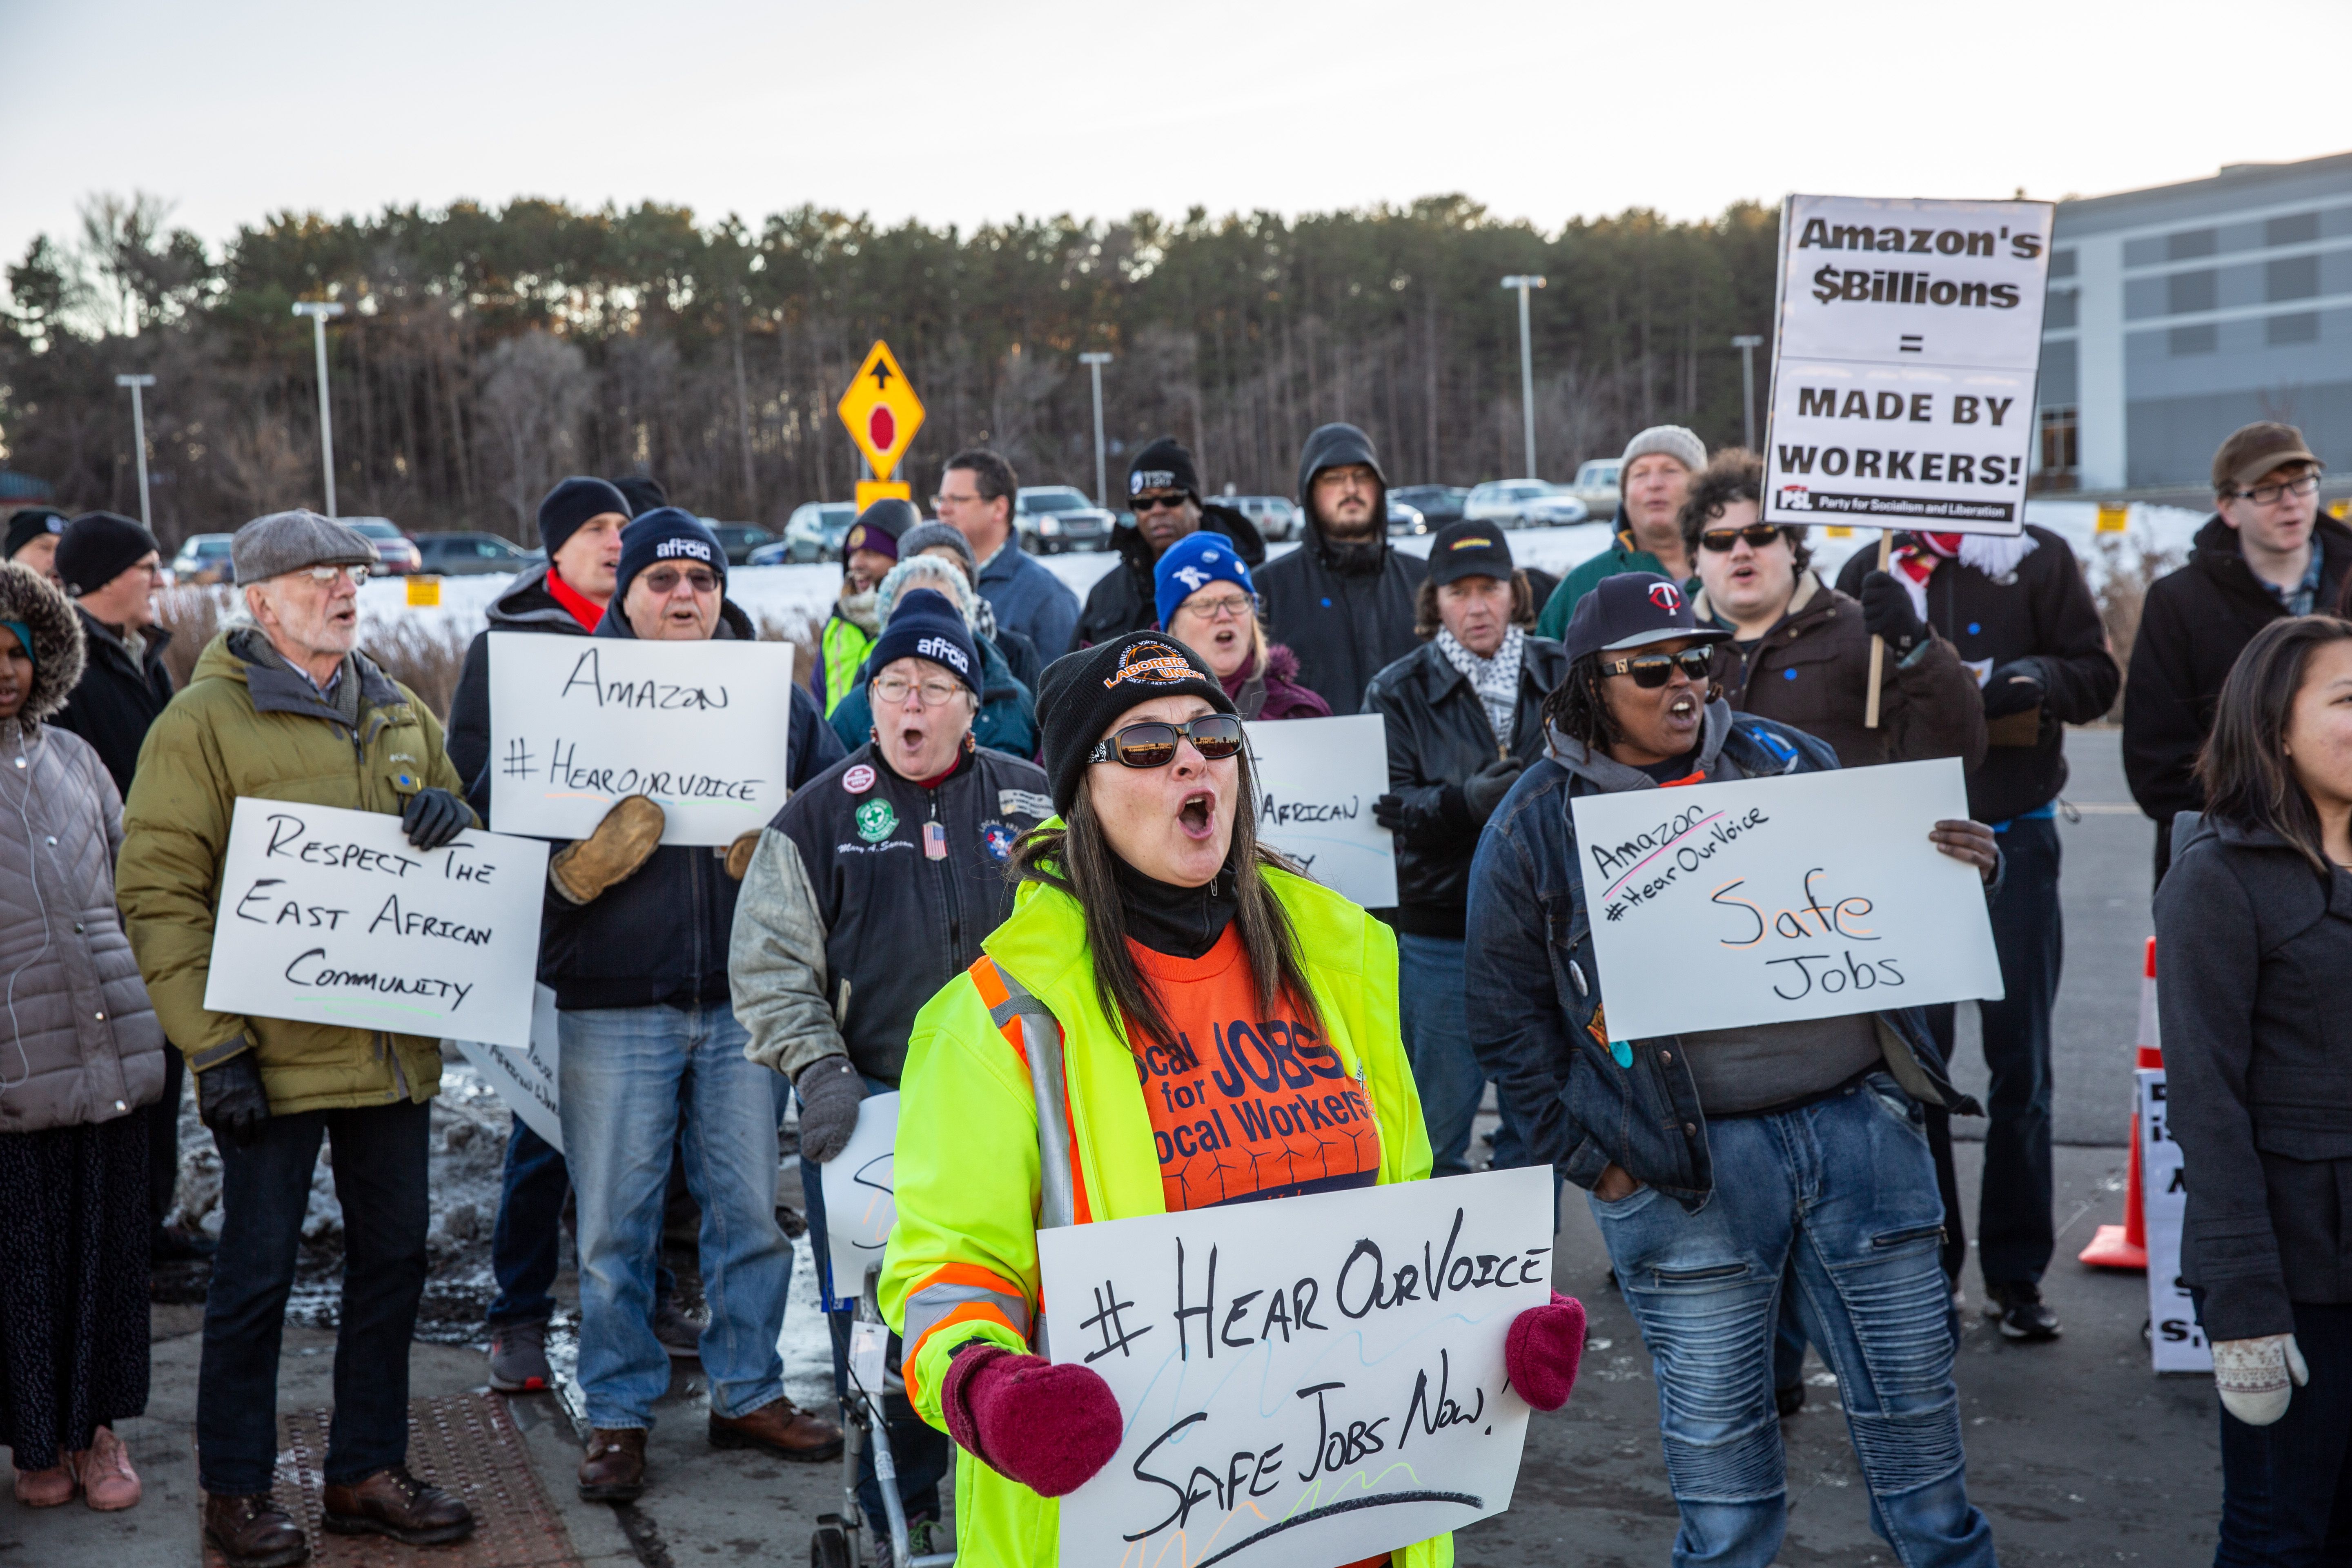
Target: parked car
[[1596, 486], [1055, 518], [473, 555], [1557, 509], [1406, 518], [740, 539], [1438, 504], [1276, 518], [203, 557], [1523, 503], [814, 532], [396, 554]]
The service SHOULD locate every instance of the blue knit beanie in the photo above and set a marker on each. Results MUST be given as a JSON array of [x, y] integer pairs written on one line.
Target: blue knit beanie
[[666, 533], [1191, 564], [924, 625]]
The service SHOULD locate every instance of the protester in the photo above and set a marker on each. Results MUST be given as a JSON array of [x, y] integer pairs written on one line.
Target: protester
[[2254, 978], [1164, 490], [1716, 1161], [868, 550], [1155, 904], [977, 492], [2018, 610], [2266, 553], [1204, 596], [1019, 653], [1464, 718], [1342, 601], [288, 709], [1007, 721], [32, 540], [1654, 478], [817, 921], [641, 491], [73, 1138]]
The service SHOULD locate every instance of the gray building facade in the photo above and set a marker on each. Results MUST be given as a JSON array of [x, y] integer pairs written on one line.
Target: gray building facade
[[2180, 312]]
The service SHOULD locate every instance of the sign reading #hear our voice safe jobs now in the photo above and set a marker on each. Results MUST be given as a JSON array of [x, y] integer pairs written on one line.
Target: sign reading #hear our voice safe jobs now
[[332, 917], [577, 724], [1769, 900], [1903, 369]]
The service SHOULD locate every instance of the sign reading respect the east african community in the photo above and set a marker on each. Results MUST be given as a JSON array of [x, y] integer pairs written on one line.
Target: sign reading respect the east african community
[[1317, 780], [1310, 1381], [1769, 901], [332, 917], [1909, 335], [861, 1201], [578, 723]]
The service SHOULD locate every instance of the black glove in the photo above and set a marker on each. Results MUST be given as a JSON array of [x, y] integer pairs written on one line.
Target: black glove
[[1484, 789], [231, 1100], [433, 817], [2017, 687], [830, 1090], [1393, 813], [1887, 613]]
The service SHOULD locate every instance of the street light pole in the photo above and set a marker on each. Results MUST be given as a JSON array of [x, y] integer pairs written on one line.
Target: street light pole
[[1095, 362], [138, 435], [1523, 282], [320, 311], [1748, 343]]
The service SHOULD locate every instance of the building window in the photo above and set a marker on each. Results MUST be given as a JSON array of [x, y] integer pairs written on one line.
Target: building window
[[2055, 470], [2063, 311], [2187, 291], [2203, 339], [2296, 229], [2062, 264], [2291, 277], [2191, 243], [2292, 327]]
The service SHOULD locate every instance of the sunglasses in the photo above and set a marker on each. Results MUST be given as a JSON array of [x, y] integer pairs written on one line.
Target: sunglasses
[[1216, 736], [1157, 503], [1721, 539], [1652, 670], [662, 580]]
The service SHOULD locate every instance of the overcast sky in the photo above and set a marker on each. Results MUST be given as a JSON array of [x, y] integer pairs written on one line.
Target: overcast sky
[[965, 113]]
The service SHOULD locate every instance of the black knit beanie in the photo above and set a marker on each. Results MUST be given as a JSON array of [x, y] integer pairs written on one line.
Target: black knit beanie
[[1163, 465], [1081, 693], [572, 502], [30, 523], [98, 547], [923, 625], [666, 533], [643, 491]]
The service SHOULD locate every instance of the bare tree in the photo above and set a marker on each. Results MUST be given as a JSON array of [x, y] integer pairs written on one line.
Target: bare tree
[[536, 389]]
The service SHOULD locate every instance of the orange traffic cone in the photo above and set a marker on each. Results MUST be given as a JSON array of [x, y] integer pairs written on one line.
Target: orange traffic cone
[[2125, 1246]]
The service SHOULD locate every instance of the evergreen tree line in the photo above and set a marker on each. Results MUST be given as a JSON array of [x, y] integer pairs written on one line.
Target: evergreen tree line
[[485, 352]]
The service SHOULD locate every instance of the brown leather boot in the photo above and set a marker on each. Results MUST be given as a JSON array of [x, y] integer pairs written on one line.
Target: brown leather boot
[[614, 1470], [252, 1531], [583, 869], [393, 1502], [781, 1429]]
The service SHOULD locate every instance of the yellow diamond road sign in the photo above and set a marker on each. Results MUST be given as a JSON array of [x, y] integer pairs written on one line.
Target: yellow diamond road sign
[[881, 410]]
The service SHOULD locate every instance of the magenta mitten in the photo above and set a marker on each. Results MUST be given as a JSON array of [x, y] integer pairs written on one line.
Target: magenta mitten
[[1542, 1349], [1049, 1427]]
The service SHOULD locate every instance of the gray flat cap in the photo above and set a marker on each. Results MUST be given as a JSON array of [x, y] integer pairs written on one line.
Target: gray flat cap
[[290, 541]]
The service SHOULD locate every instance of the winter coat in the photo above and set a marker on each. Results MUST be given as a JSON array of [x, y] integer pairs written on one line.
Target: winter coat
[[1439, 735], [118, 697], [1535, 985], [1272, 691], [1029, 599], [847, 926], [2253, 976], [525, 606], [1812, 672], [245, 726], [1346, 610], [2192, 625], [1621, 556], [2042, 609], [1007, 720], [962, 1259], [1126, 598]]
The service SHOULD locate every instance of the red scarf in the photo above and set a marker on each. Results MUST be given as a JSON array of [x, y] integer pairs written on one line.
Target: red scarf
[[582, 610], [1917, 563]]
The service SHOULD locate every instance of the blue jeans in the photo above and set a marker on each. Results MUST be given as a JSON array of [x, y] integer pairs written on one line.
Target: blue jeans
[[629, 1074], [1432, 1006], [525, 1251], [2286, 1489], [1846, 1188]]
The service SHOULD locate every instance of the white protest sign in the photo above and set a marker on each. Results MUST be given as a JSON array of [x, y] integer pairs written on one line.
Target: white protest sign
[[575, 724], [1308, 1380], [332, 917], [1317, 780], [2176, 1340], [1768, 900], [529, 1081], [1903, 370], [860, 1204]]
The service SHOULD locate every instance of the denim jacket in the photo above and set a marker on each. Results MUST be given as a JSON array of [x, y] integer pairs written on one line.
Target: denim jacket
[[1534, 985]]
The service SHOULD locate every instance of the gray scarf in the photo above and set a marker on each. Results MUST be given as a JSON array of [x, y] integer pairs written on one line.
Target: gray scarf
[[1495, 680]]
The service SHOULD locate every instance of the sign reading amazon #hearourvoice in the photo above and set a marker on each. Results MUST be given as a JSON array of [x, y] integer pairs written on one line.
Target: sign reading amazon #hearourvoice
[[1903, 370], [1317, 780], [1312, 1380], [699, 727], [1769, 900], [333, 917]]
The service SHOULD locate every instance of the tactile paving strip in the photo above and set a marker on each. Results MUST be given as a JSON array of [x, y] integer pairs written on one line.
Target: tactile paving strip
[[462, 1443]]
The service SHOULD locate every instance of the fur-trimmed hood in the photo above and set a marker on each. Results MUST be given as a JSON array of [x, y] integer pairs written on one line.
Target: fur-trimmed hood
[[58, 653]]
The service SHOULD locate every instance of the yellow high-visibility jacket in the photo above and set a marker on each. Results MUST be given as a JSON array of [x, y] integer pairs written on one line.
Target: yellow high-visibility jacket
[[962, 1259]]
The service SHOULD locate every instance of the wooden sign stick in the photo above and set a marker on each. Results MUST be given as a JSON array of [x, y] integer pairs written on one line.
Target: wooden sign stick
[[1877, 644]]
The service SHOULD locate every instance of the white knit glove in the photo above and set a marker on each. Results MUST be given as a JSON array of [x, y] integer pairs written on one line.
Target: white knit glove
[[2252, 1377]]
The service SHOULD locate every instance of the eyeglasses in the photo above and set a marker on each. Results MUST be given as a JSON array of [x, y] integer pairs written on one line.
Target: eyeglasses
[[940, 501], [1216, 736], [1224, 607], [357, 573], [1757, 534], [1156, 503], [2268, 495], [894, 690], [1652, 670], [662, 580]]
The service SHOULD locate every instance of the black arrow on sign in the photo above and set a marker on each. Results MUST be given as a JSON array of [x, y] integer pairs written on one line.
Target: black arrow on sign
[[881, 373]]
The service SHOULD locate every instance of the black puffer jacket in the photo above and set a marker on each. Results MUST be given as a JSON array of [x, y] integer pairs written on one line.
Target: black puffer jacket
[[118, 695], [1346, 610], [1126, 598], [1439, 735], [525, 606]]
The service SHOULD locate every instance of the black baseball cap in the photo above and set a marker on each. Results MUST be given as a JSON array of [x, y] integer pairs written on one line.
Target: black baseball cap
[[1633, 609], [1469, 549]]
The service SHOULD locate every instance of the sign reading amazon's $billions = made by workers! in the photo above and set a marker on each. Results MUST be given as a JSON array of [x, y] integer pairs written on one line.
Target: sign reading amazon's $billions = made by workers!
[[1769, 900], [699, 728], [331, 915], [1312, 1380], [1317, 780]]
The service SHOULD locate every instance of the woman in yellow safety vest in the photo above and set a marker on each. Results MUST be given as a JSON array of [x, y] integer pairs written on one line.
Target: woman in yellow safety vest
[[868, 550], [1150, 918]]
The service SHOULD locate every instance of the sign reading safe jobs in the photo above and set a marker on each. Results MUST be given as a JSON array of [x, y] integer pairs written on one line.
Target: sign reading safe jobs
[[1317, 780], [1308, 1381], [332, 917], [1903, 369], [1769, 901], [577, 724]]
